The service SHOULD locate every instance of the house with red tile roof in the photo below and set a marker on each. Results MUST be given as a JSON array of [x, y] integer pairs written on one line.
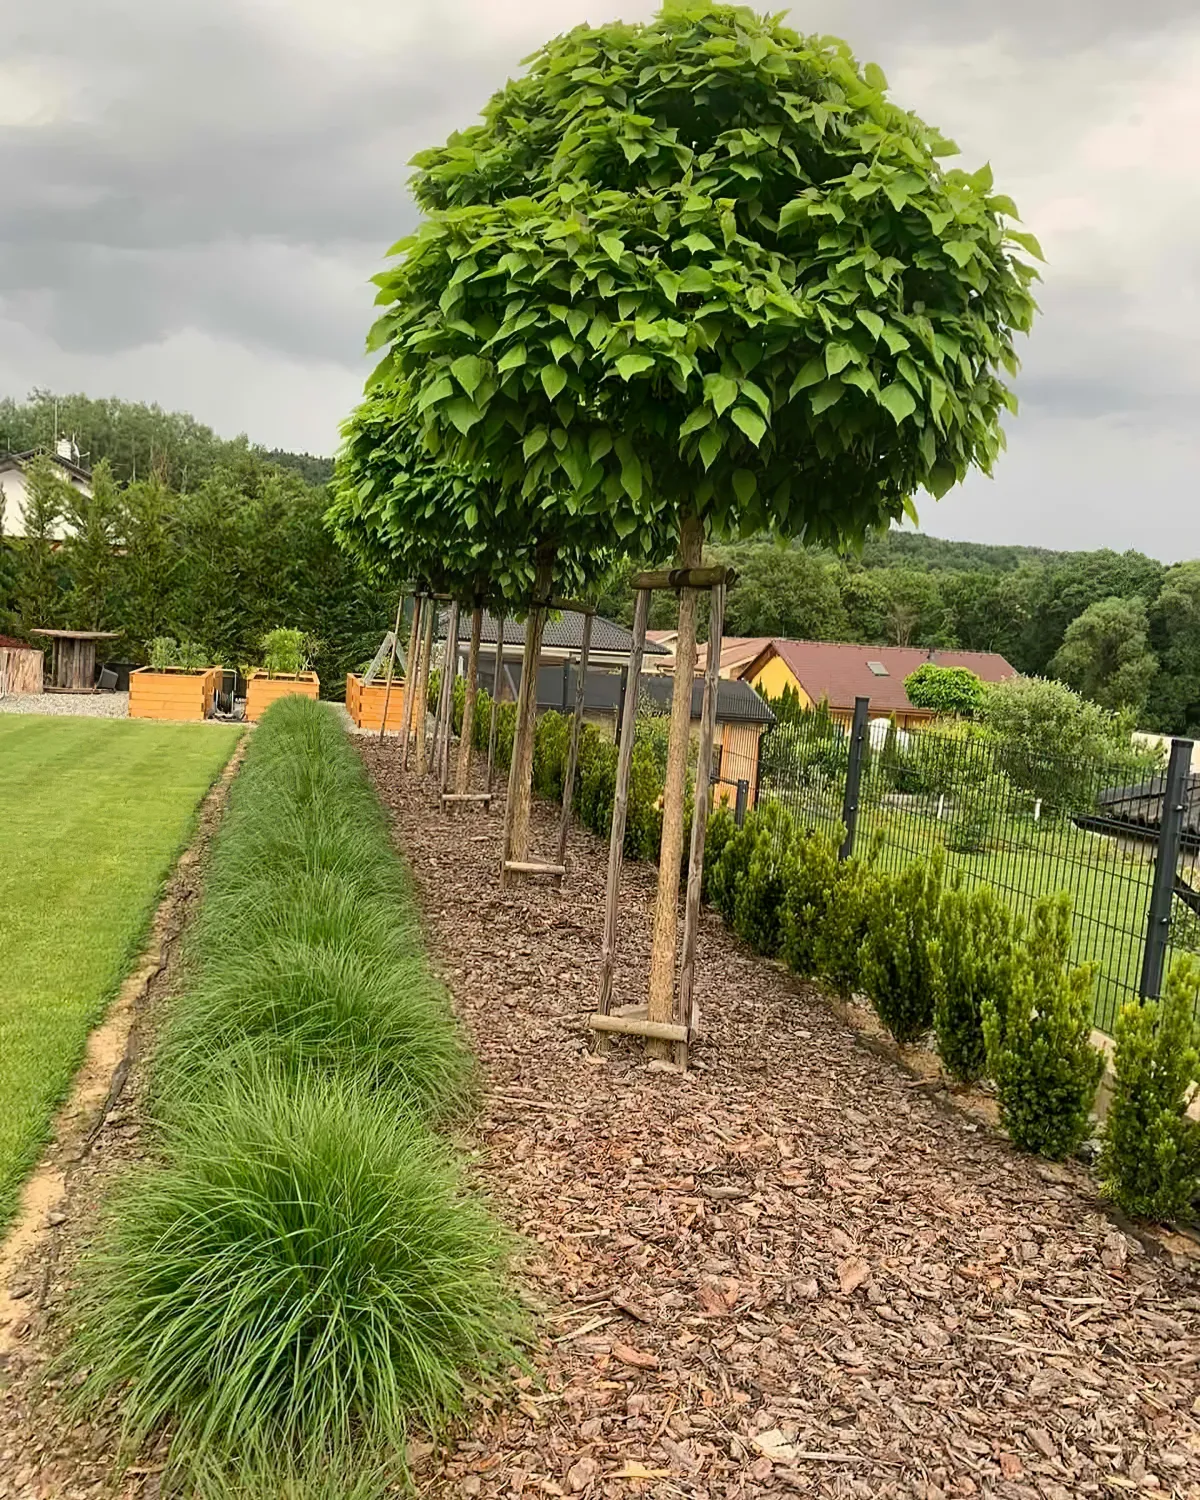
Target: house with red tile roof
[[838, 672]]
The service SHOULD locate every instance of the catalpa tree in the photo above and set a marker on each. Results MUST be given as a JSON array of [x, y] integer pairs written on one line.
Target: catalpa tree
[[705, 268]]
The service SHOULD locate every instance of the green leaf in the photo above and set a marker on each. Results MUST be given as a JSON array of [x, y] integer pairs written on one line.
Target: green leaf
[[599, 444], [695, 242], [838, 356], [941, 478], [721, 390], [797, 209], [699, 417], [872, 322], [534, 442], [515, 357], [442, 387], [875, 77], [463, 413], [710, 445], [669, 282], [561, 345], [750, 422], [630, 365], [899, 400], [553, 380], [744, 485], [827, 394], [1026, 241], [613, 245], [895, 340], [631, 472], [960, 251], [696, 279]]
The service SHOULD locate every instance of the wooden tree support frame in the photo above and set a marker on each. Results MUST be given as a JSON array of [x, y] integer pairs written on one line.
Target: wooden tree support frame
[[556, 868], [630, 1020]]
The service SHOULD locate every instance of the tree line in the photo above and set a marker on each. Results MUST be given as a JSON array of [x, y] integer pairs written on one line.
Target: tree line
[[240, 549], [1121, 628]]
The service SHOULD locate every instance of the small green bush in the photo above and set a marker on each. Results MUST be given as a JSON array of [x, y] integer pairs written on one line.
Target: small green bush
[[945, 690], [187, 656], [838, 940], [597, 781], [1150, 1161], [285, 652], [812, 883], [551, 744], [643, 814], [1040, 1054], [302, 1278], [729, 872], [758, 902], [721, 828], [973, 958], [897, 967]]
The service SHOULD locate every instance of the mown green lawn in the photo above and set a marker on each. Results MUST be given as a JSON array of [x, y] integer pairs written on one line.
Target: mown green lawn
[[92, 814]]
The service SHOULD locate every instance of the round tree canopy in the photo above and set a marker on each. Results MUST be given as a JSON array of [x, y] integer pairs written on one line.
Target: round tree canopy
[[705, 266]]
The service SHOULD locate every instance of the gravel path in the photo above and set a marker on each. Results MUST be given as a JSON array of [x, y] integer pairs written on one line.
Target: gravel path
[[792, 1270], [76, 705]]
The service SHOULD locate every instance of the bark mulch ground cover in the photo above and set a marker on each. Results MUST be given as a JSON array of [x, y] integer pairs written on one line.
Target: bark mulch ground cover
[[793, 1270]]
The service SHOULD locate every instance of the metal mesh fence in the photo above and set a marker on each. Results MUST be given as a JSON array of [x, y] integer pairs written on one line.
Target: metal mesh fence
[[1029, 823]]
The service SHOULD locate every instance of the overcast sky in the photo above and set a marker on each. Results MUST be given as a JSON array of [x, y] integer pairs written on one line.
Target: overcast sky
[[195, 192]]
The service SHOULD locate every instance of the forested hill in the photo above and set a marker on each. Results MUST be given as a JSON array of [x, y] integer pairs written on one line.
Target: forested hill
[[137, 439], [903, 549]]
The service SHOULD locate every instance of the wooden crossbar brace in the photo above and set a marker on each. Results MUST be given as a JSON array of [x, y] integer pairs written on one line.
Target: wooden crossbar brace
[[466, 796], [534, 867], [663, 1031]]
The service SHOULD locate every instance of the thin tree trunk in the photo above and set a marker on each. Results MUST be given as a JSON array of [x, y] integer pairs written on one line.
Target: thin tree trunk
[[520, 779], [564, 821], [661, 998], [410, 677], [497, 689], [421, 700], [463, 775], [450, 678]]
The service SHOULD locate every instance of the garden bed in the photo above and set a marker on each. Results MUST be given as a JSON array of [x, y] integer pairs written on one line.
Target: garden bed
[[262, 691], [173, 692], [789, 1270]]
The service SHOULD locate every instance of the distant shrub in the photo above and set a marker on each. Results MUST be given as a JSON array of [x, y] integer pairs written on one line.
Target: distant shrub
[[897, 967], [721, 828], [945, 690], [729, 872], [1040, 1054], [285, 652], [550, 746], [838, 940], [973, 960], [1150, 1161], [812, 884], [758, 902]]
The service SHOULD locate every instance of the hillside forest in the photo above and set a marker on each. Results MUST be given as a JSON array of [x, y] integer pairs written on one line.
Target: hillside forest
[[216, 541]]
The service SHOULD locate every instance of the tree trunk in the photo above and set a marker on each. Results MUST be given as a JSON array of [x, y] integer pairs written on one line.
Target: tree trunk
[[661, 998], [520, 779], [449, 678], [410, 677], [564, 821], [463, 773], [421, 701], [497, 690]]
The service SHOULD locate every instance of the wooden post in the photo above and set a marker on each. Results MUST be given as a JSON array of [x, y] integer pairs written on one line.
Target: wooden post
[[421, 703], [497, 686], [564, 822], [387, 692], [450, 674], [689, 1011], [520, 779], [410, 677], [616, 841], [463, 774], [661, 997]]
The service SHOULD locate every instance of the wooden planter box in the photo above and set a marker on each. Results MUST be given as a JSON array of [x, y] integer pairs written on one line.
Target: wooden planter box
[[262, 691], [173, 693], [364, 703], [21, 669]]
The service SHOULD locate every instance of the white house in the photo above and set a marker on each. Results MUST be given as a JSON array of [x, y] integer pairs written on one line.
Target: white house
[[12, 485]]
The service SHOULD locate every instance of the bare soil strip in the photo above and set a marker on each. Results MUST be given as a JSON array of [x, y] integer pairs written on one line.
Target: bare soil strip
[[790, 1271], [97, 1129]]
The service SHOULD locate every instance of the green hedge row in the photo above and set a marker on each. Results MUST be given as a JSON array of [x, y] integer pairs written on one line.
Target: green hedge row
[[1002, 997], [298, 1274]]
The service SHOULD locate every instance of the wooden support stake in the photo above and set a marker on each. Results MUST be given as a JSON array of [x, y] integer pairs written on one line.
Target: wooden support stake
[[659, 1031], [616, 842], [685, 578], [496, 691], [564, 822], [410, 676], [421, 705], [466, 796], [517, 809], [387, 692], [462, 775], [449, 679], [534, 867], [689, 1010]]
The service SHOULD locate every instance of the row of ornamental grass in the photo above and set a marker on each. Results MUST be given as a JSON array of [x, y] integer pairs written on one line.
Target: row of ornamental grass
[[299, 1275]]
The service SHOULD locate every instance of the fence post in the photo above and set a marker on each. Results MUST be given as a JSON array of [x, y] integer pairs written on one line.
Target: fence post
[[858, 737], [743, 799], [1166, 867]]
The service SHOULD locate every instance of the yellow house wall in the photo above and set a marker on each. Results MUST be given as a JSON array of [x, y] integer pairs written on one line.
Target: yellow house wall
[[775, 675]]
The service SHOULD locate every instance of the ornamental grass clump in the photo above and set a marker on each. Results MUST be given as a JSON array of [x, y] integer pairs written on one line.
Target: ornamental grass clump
[[1150, 1160], [1040, 1054], [897, 964], [973, 959], [298, 1280]]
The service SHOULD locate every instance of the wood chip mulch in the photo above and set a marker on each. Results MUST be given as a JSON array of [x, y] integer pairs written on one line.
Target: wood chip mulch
[[790, 1271]]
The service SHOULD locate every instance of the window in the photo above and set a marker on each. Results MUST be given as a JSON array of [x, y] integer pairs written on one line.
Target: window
[[878, 668]]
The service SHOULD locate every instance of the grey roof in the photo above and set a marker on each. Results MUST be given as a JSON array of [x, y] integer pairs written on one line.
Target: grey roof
[[736, 701], [1143, 804], [563, 632]]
